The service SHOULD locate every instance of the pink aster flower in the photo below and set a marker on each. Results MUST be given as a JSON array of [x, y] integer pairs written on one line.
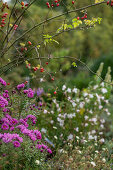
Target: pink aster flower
[[2, 82], [4, 126], [16, 144], [49, 151], [20, 86]]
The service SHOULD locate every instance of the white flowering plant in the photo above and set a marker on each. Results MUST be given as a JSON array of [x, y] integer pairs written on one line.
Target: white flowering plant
[[77, 115]]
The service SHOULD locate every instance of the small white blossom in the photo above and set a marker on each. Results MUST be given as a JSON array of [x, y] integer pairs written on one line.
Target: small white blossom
[[103, 90], [37, 162], [70, 137], [45, 111], [43, 130], [69, 90], [75, 90], [63, 87], [102, 140], [93, 163]]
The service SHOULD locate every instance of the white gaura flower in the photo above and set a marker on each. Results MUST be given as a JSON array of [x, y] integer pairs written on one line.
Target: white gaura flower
[[102, 84], [74, 104], [70, 137], [37, 162], [43, 130], [81, 105], [77, 100], [93, 163], [45, 111], [95, 87], [86, 124], [63, 87], [108, 113], [102, 126], [91, 112], [90, 96], [69, 90], [100, 107], [102, 120], [100, 133], [41, 79], [74, 90], [90, 137], [104, 160], [51, 121], [95, 137], [77, 129], [85, 94], [86, 117], [54, 127], [55, 137], [104, 90], [102, 140], [93, 131]]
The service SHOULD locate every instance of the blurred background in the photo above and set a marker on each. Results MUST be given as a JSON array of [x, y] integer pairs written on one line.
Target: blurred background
[[92, 46]]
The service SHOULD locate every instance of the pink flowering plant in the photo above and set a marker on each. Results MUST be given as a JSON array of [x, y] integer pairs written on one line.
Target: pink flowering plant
[[20, 140]]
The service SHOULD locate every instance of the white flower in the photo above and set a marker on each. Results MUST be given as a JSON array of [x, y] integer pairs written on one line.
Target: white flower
[[73, 104], [77, 100], [63, 87], [93, 131], [91, 96], [45, 111], [100, 133], [104, 160], [108, 113], [85, 94], [77, 137], [61, 151], [100, 107], [81, 105], [41, 79], [51, 121], [75, 90], [102, 126], [54, 127], [93, 163], [103, 90], [102, 140], [102, 84], [52, 112], [90, 137], [37, 162], [70, 137], [102, 121], [86, 117], [43, 130], [69, 90], [95, 137], [77, 129], [70, 116], [95, 87], [91, 111], [55, 137], [86, 124]]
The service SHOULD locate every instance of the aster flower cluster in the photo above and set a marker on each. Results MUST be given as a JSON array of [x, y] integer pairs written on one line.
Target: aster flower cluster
[[2, 82], [30, 93], [20, 86], [3, 102], [6, 95], [11, 124]]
